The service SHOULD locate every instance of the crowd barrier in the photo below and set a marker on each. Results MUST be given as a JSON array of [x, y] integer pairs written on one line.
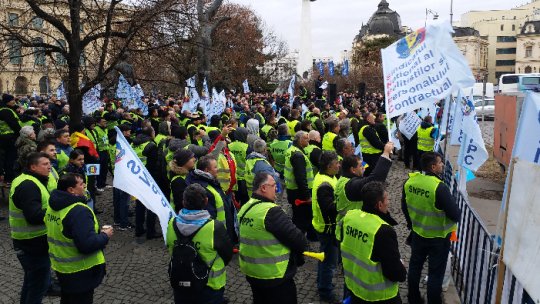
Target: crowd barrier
[[475, 257]]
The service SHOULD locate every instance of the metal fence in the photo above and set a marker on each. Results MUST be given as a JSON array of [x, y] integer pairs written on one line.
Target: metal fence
[[475, 257]]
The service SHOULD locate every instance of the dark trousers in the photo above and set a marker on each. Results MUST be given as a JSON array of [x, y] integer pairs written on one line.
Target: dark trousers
[[101, 179], [302, 215], [283, 293], [77, 298], [410, 153], [417, 158], [371, 160], [206, 296], [143, 215], [327, 268], [121, 207], [436, 250], [37, 277], [8, 156]]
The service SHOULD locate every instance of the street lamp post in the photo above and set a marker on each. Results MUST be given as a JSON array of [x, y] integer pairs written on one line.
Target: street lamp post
[[435, 15]]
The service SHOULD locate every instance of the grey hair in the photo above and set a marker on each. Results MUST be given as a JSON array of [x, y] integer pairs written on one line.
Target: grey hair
[[298, 136], [259, 146], [26, 131]]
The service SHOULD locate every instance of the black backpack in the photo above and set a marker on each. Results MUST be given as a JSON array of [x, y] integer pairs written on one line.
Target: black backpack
[[187, 270]]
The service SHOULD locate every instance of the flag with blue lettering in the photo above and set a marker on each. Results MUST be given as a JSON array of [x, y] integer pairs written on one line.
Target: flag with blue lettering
[[291, 89], [462, 101], [91, 100], [345, 68], [320, 66], [132, 177], [423, 67], [527, 144], [192, 94], [472, 153], [245, 84], [331, 68], [324, 85], [205, 99], [61, 92], [35, 94], [123, 91]]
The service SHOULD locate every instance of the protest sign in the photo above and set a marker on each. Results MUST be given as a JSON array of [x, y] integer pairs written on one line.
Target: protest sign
[[409, 124]]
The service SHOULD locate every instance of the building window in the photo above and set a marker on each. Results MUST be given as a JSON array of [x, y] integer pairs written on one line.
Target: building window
[[505, 51], [60, 59], [528, 51], [21, 85], [15, 56], [502, 27], [513, 27], [37, 23], [39, 52], [506, 39], [528, 69], [505, 62], [13, 19], [43, 85]]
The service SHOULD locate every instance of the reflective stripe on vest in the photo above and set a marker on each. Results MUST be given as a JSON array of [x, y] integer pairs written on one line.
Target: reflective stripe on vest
[[64, 255], [292, 125], [425, 141], [20, 228], [343, 204], [52, 182], [366, 146], [420, 195], [262, 256], [290, 180], [318, 221], [363, 276], [278, 148], [239, 149], [220, 209], [103, 138], [205, 240], [328, 141]]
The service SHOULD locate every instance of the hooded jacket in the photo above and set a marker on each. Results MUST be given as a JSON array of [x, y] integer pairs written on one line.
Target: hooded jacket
[[199, 151], [178, 185], [188, 221], [24, 146], [79, 226], [206, 180]]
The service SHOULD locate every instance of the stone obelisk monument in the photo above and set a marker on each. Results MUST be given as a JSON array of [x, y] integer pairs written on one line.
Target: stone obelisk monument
[[305, 57]]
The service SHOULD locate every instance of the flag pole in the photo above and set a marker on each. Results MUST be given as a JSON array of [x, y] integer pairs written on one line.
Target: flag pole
[[447, 124]]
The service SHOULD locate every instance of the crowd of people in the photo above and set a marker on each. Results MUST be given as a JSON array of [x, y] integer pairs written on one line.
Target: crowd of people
[[224, 176]]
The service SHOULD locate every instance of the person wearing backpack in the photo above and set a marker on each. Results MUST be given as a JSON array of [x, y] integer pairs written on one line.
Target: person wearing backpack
[[271, 246], [200, 250]]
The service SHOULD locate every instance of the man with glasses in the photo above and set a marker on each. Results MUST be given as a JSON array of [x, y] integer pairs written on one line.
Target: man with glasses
[[270, 245]]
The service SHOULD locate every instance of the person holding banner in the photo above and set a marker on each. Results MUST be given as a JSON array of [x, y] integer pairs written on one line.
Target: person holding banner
[[431, 213]]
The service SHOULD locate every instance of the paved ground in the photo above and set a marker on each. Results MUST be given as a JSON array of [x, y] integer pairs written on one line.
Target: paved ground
[[136, 273]]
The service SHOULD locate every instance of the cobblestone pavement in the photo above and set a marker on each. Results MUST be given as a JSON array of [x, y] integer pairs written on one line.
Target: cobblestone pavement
[[136, 273], [487, 128]]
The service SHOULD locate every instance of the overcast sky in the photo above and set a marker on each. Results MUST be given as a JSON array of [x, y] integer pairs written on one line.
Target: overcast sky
[[336, 22]]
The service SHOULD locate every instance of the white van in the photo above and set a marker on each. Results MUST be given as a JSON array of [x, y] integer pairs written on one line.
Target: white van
[[515, 83]]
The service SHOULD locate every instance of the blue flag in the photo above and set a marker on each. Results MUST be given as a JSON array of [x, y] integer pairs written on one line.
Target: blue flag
[[320, 65], [331, 68], [345, 68]]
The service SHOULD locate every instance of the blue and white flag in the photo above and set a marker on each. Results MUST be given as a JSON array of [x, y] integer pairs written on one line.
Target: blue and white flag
[[132, 177], [324, 85], [123, 91], [192, 94], [423, 67], [35, 94], [205, 99], [462, 102], [245, 84], [345, 68], [137, 95], [320, 66], [527, 143], [91, 100], [331, 68], [291, 89], [61, 92], [472, 153], [442, 128]]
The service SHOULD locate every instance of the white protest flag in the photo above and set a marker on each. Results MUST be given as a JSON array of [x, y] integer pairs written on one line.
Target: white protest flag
[[409, 124], [245, 84], [35, 93], [444, 122], [91, 100], [123, 91], [423, 67], [61, 91], [291, 90], [191, 92], [455, 127], [132, 177], [527, 144], [324, 85], [205, 99], [137, 95], [472, 153]]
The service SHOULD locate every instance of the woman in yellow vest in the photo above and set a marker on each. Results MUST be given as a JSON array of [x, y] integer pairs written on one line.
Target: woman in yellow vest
[[76, 254], [211, 240]]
